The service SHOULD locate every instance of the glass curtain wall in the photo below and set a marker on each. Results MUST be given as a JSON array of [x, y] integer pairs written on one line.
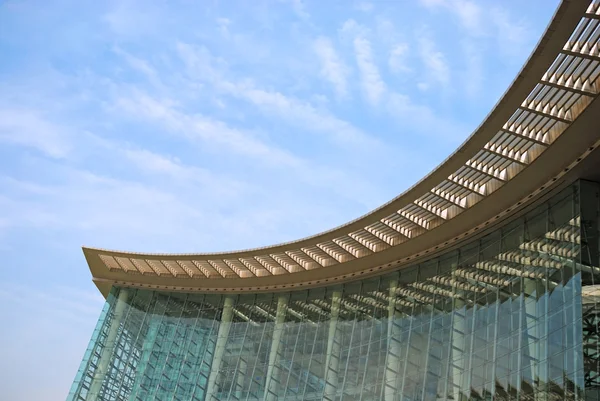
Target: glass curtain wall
[[511, 316]]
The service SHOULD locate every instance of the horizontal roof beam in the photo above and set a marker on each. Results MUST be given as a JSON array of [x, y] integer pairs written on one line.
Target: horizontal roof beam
[[472, 190], [581, 55], [572, 89], [473, 166], [507, 157], [447, 197], [528, 138], [547, 115]]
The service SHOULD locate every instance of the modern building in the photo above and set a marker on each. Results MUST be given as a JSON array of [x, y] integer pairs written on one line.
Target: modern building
[[482, 281]]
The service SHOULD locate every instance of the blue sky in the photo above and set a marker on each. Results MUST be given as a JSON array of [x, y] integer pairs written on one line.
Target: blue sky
[[193, 126]]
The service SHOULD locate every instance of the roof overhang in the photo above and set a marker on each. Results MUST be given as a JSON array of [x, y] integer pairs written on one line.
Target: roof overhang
[[532, 142]]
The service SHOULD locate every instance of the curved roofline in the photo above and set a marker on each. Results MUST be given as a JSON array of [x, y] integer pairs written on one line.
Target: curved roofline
[[540, 129], [537, 62]]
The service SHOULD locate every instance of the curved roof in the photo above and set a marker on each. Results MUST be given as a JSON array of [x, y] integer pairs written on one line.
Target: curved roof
[[538, 131]]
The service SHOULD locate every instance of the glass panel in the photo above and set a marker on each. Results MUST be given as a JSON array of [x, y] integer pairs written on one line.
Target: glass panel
[[510, 316]]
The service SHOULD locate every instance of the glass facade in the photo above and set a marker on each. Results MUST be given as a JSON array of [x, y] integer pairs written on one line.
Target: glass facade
[[510, 316]]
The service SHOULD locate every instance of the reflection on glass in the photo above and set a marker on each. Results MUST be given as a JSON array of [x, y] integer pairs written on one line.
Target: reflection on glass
[[511, 316]]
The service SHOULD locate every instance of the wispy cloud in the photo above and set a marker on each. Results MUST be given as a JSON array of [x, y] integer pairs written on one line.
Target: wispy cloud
[[496, 21], [202, 126], [277, 104], [197, 127], [512, 34], [473, 74], [26, 128], [470, 15], [333, 69], [437, 71], [397, 61], [141, 66], [364, 6], [300, 8], [371, 82]]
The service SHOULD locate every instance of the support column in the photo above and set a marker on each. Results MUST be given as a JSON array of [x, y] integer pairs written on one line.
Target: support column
[[109, 345], [392, 368], [332, 357], [273, 370], [222, 334]]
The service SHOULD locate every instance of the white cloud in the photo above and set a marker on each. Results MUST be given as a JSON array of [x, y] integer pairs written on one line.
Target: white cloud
[[473, 74], [470, 15], [371, 82], [303, 114], [140, 65], [397, 60], [199, 62], [274, 103], [203, 130], [364, 6], [182, 174], [199, 128], [300, 8], [351, 29], [424, 120], [434, 61], [511, 34], [434, 3], [333, 69], [223, 24], [26, 128], [149, 18], [263, 155]]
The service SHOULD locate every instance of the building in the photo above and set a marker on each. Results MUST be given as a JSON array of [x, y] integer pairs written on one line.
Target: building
[[480, 282]]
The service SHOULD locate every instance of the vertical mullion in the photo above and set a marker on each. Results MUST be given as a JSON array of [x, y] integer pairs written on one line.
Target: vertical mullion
[[140, 329], [214, 328], [363, 384], [410, 330], [234, 380], [265, 325], [348, 359], [520, 342], [469, 371], [125, 318], [187, 351], [84, 368], [225, 320], [141, 369], [170, 346], [382, 367], [427, 348], [286, 387], [168, 355], [393, 347], [453, 311], [333, 347], [383, 338], [312, 352], [114, 330], [495, 325], [157, 334]]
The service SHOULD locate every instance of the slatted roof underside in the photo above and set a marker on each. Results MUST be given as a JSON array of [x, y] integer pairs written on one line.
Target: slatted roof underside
[[564, 91], [469, 281]]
